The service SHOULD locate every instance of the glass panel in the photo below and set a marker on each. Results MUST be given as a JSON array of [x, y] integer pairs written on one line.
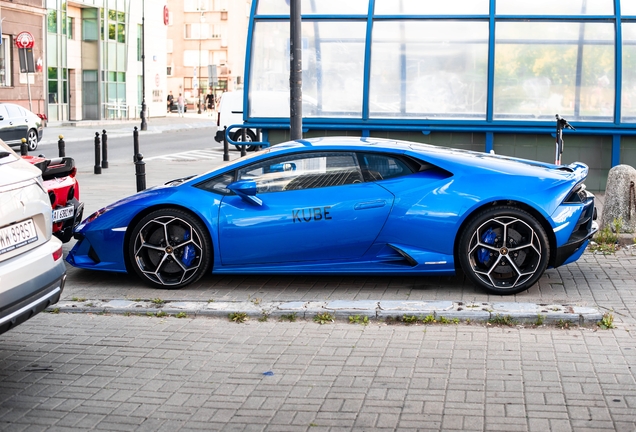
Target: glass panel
[[551, 7], [112, 76], [121, 17], [419, 7], [628, 7], [52, 91], [333, 63], [121, 33], [628, 102], [322, 7], [429, 69], [543, 69], [52, 21], [112, 15], [111, 31], [52, 73]]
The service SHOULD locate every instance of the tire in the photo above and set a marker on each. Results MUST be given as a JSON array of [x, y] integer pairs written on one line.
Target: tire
[[32, 139], [504, 250], [249, 137], [176, 263]]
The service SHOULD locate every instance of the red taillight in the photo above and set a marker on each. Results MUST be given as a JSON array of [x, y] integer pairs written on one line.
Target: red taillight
[[58, 254]]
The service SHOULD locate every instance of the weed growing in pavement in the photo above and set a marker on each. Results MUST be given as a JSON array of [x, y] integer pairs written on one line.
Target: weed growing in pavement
[[264, 317], [157, 301], [238, 317], [444, 320], [409, 319], [607, 322], [324, 318], [606, 239], [161, 314], [211, 301], [429, 319], [127, 314], [288, 317], [563, 324], [78, 299], [539, 321], [256, 301], [89, 305], [181, 315], [54, 311], [357, 319], [150, 314], [506, 320]]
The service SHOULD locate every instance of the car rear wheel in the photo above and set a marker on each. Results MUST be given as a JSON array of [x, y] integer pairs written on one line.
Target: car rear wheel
[[32, 139], [170, 248], [504, 250], [249, 137]]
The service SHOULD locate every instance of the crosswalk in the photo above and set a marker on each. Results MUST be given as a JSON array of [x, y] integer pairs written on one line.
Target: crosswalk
[[194, 155]]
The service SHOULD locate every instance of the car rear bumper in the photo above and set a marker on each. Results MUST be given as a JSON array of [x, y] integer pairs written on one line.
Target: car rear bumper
[[30, 282]]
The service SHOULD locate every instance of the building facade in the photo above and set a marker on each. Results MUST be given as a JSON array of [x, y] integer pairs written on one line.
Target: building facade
[[25, 89], [94, 64], [206, 37]]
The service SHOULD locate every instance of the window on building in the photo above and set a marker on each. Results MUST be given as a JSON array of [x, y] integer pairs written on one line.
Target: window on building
[[196, 5], [89, 25], [116, 26], [5, 62], [71, 28], [52, 21], [197, 31]]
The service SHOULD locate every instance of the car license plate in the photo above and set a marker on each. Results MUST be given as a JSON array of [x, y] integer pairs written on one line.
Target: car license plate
[[17, 235], [63, 213]]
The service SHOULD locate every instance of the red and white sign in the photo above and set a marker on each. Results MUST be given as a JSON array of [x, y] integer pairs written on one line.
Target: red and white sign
[[166, 15], [24, 40]]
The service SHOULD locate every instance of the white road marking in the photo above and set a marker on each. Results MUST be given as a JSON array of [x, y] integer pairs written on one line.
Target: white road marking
[[192, 155]]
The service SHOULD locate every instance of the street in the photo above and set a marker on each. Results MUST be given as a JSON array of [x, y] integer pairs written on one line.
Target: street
[[148, 371]]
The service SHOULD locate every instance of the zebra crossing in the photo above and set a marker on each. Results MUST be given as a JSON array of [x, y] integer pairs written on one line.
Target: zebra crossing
[[193, 155]]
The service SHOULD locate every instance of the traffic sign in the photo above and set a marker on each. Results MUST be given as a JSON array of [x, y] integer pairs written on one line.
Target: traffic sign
[[24, 40]]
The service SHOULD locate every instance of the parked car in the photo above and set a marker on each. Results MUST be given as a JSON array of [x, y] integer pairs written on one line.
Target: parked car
[[17, 122], [350, 206], [63, 189], [32, 271]]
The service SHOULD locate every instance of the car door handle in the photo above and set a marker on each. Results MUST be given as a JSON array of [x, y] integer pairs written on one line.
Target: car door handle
[[369, 205]]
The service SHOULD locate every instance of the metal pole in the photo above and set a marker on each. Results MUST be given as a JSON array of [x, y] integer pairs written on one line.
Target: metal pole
[[140, 172], [24, 149], [97, 169], [226, 149], [144, 125], [295, 71], [135, 144], [26, 63], [104, 149], [61, 146]]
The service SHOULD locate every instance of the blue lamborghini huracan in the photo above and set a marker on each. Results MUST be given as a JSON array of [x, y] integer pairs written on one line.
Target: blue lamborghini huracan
[[350, 206]]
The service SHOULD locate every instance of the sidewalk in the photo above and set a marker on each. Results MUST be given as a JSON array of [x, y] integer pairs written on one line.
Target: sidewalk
[[82, 130]]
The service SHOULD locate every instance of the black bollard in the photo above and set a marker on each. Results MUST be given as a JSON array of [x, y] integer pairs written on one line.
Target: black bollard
[[243, 147], [226, 150], [24, 150], [140, 172], [135, 144], [97, 169], [104, 149], [61, 147]]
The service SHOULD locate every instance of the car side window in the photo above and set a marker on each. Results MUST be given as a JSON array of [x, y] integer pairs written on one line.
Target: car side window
[[378, 166], [218, 184], [304, 171], [13, 110]]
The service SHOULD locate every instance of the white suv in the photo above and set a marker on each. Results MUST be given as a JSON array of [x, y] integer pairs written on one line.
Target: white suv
[[32, 271]]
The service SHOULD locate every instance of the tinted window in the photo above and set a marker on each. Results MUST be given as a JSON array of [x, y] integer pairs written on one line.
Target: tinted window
[[305, 171], [382, 167], [218, 184]]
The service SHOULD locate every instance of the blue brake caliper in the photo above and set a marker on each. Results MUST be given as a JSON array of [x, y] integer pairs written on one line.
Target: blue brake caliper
[[188, 251], [489, 238]]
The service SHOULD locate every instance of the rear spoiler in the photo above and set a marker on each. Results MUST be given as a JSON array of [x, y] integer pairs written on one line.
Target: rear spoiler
[[58, 167]]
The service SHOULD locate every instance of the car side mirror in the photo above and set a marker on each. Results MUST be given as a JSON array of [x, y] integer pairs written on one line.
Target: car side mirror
[[246, 189]]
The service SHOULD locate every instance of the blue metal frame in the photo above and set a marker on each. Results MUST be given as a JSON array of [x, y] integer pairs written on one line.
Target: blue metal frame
[[489, 125]]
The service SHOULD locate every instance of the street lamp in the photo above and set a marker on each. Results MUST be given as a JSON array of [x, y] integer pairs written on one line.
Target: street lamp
[[144, 125], [202, 20]]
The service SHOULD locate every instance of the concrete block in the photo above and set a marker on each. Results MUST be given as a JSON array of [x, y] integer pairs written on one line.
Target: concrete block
[[617, 195]]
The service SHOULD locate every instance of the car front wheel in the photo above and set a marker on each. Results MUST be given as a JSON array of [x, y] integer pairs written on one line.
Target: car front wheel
[[170, 248], [504, 250], [32, 139]]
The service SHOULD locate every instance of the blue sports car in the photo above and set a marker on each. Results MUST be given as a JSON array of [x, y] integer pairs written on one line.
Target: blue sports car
[[350, 206]]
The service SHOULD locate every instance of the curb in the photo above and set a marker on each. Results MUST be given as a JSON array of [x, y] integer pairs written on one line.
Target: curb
[[342, 310]]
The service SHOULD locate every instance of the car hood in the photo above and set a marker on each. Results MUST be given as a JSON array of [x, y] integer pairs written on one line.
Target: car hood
[[13, 169]]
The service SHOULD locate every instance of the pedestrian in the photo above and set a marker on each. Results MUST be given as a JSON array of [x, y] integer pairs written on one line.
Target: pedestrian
[[170, 102], [209, 99], [180, 104]]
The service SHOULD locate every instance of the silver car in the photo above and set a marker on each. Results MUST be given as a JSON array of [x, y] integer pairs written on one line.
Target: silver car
[[17, 122], [32, 271]]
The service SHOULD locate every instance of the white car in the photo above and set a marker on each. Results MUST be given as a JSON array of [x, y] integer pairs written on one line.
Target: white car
[[32, 271], [17, 122]]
